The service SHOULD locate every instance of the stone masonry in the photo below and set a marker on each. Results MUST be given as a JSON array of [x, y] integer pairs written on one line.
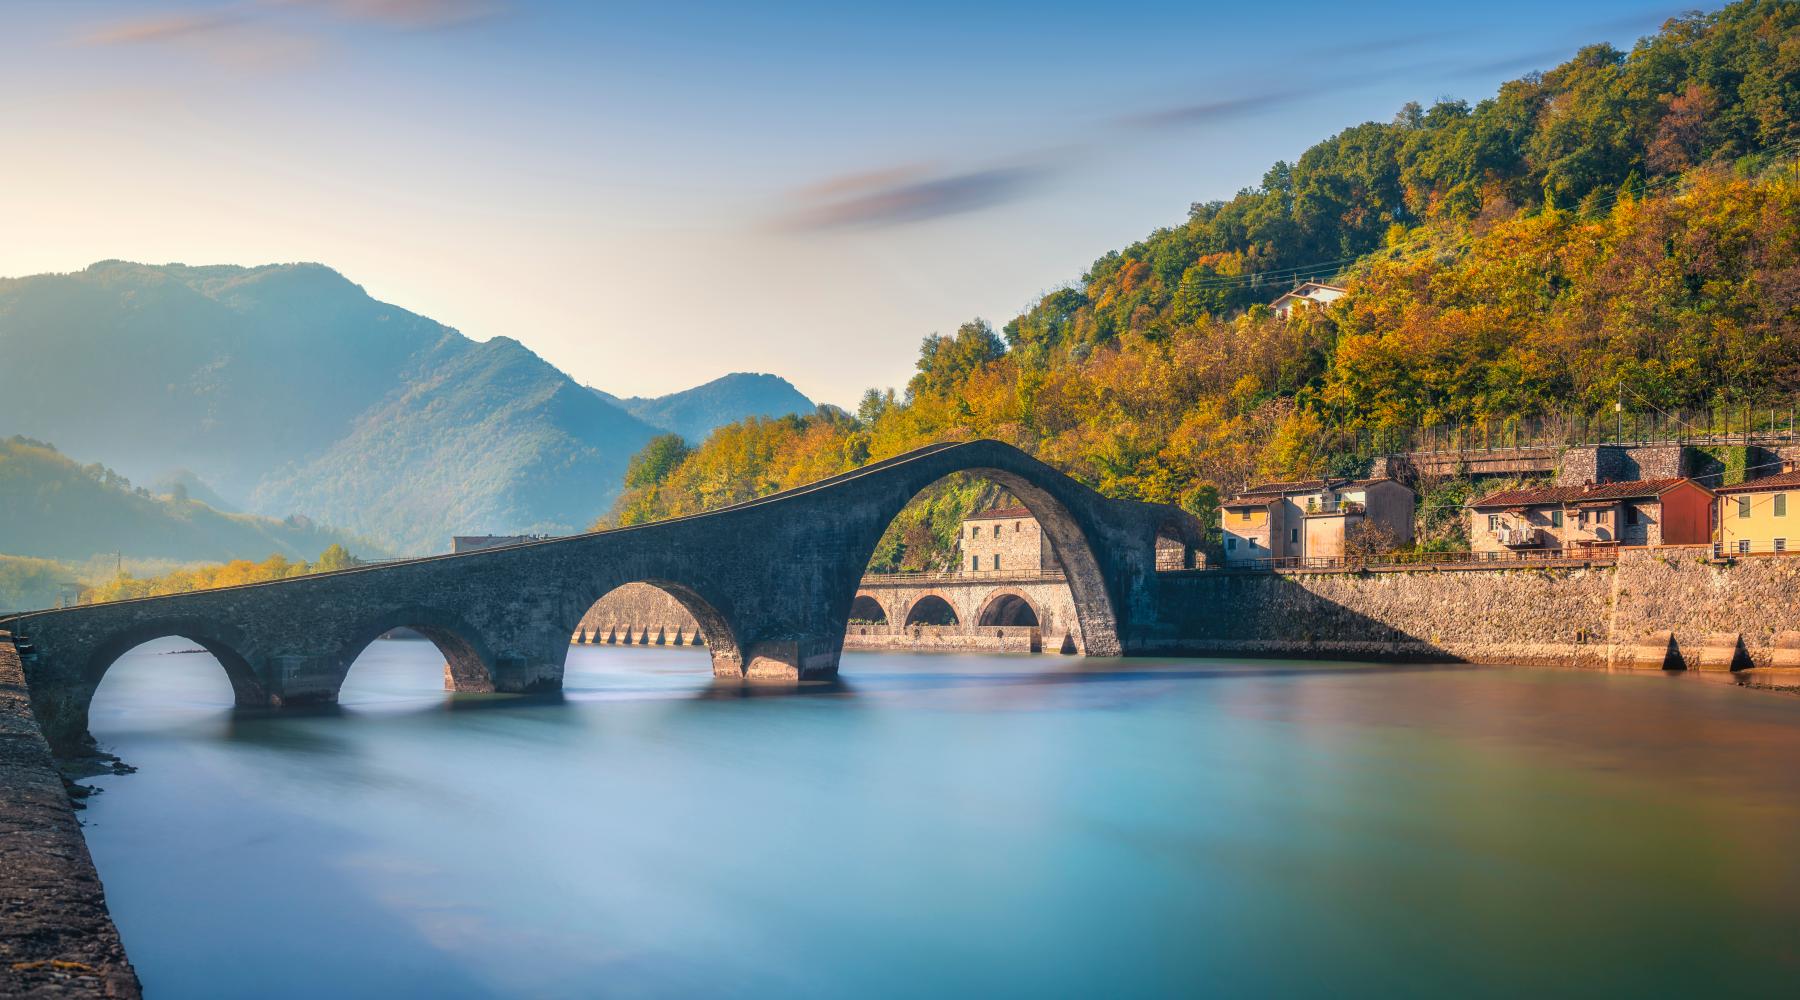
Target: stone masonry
[[770, 582], [56, 939], [1705, 613]]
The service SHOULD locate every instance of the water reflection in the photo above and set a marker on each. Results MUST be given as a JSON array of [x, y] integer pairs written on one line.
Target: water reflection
[[954, 824]]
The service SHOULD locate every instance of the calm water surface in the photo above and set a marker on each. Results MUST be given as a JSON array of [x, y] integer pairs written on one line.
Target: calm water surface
[[954, 825]]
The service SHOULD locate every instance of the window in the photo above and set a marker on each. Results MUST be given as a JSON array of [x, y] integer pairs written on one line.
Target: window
[[1493, 522], [1015, 527], [1781, 505], [996, 560], [1602, 517], [975, 562], [1743, 546], [1294, 535], [1231, 544], [1581, 518], [1781, 545], [1743, 506], [1244, 514], [1631, 514], [1556, 519], [975, 531]]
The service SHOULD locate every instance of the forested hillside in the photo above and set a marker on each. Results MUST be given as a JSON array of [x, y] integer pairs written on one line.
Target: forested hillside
[[1624, 227], [56, 508]]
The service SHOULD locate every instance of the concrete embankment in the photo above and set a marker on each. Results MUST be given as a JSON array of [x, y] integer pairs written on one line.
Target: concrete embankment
[[56, 938]]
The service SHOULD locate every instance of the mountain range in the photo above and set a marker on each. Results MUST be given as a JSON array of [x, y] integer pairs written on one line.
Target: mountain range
[[286, 389]]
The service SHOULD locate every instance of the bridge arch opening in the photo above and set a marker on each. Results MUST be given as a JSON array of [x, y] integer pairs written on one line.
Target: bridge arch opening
[[652, 613], [387, 658], [186, 672], [976, 527], [866, 610], [931, 610], [1008, 608]]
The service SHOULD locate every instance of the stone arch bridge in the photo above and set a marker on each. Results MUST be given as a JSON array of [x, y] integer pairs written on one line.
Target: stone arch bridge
[[771, 582]]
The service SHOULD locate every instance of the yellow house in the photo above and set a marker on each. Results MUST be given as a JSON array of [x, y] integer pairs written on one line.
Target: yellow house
[[1760, 515]]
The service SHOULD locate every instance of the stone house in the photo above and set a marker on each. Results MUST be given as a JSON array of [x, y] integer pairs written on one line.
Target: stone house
[[1313, 518], [1754, 515], [1675, 511], [475, 543], [1005, 540], [1307, 295]]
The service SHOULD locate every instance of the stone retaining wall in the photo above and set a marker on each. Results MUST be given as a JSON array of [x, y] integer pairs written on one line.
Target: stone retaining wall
[[1701, 613], [56, 939], [947, 638]]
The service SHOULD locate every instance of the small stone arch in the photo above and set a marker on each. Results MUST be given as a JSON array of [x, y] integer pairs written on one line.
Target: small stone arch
[[1010, 608], [223, 641], [715, 633], [64, 708], [868, 608], [1179, 544], [932, 608], [468, 664]]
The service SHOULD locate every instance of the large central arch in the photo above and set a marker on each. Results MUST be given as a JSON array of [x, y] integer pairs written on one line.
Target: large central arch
[[1035, 487]]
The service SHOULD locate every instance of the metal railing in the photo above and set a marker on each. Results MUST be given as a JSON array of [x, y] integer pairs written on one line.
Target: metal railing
[[1411, 560], [1773, 422], [1334, 507]]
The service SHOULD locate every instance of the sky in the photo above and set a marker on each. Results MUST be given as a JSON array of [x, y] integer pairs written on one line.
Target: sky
[[650, 195]]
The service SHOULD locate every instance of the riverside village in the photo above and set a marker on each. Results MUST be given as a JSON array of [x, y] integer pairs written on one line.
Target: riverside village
[[516, 498]]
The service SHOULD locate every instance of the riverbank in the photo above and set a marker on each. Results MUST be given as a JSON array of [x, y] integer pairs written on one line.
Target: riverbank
[[56, 936]]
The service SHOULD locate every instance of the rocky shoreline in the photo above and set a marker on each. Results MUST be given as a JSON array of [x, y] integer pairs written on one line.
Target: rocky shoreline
[[56, 937]]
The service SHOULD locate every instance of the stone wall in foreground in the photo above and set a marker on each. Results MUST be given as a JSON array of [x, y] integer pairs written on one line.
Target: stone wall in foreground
[[56, 939], [1655, 606]]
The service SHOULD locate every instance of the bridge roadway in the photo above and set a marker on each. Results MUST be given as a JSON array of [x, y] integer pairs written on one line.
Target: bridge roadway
[[770, 580]]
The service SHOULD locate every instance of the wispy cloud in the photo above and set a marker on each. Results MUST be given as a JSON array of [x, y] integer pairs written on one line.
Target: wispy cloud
[[412, 15], [268, 33], [166, 27], [891, 197], [1209, 111]]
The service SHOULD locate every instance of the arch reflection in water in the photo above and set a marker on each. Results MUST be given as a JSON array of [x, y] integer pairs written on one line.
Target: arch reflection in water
[[170, 682]]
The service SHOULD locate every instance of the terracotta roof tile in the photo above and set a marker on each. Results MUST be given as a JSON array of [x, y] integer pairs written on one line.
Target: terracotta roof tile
[[1778, 481], [1296, 486], [1538, 495]]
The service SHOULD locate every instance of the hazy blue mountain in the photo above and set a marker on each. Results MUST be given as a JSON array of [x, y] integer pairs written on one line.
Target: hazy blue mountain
[[477, 438], [286, 388], [693, 413], [226, 371], [56, 508]]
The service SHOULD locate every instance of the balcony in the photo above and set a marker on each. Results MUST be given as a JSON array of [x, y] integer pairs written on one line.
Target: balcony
[[1325, 508]]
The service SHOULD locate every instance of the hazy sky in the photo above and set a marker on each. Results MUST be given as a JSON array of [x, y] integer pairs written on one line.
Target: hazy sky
[[652, 194]]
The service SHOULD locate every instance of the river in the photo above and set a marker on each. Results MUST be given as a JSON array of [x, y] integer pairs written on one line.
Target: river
[[953, 825]]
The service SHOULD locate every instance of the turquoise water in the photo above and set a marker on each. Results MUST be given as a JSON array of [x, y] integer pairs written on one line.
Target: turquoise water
[[954, 825]]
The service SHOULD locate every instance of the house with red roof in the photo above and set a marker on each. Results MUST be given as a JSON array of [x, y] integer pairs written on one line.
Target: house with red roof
[[1592, 516], [1313, 517]]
